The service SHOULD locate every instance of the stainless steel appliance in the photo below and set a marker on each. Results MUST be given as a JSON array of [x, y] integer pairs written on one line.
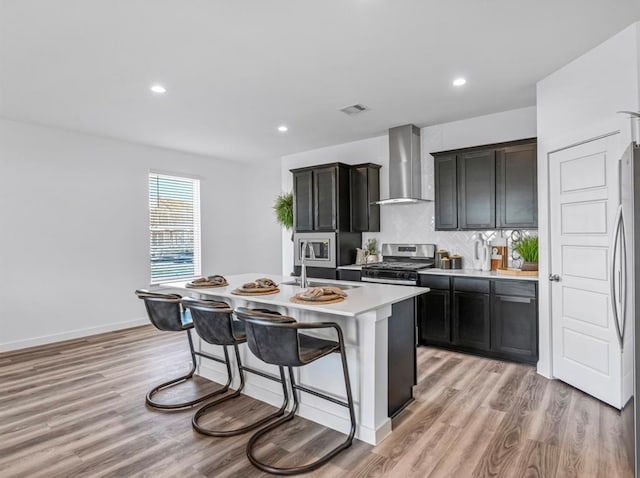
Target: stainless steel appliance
[[325, 251], [625, 266], [400, 264], [405, 171], [320, 250]]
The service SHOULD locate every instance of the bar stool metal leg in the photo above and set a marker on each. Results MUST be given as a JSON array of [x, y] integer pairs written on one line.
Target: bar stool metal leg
[[238, 431], [289, 416], [188, 376]]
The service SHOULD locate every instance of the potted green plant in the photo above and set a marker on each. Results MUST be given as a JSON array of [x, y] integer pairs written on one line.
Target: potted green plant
[[527, 249], [372, 250], [283, 208]]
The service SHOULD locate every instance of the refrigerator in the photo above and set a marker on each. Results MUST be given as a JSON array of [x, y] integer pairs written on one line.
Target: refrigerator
[[625, 269]]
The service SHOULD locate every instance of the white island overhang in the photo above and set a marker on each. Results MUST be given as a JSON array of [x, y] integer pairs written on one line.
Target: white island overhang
[[368, 322]]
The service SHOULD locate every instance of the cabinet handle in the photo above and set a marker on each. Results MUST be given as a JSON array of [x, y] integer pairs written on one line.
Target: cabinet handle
[[520, 300]]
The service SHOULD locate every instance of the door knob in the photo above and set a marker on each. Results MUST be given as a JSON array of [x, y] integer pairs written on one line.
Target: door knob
[[554, 277]]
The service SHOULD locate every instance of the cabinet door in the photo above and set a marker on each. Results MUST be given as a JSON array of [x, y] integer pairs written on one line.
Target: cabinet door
[[517, 187], [365, 190], [303, 203], [514, 327], [477, 190], [446, 192], [435, 319], [325, 199], [472, 320], [346, 274]]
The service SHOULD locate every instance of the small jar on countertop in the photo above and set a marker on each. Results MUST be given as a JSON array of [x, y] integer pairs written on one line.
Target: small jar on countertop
[[440, 254], [456, 261], [445, 263]]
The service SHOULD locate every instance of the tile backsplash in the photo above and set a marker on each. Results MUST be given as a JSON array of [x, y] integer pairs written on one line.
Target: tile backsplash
[[416, 223]]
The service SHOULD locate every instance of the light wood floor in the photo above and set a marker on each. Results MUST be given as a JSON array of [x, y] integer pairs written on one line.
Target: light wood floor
[[77, 409]]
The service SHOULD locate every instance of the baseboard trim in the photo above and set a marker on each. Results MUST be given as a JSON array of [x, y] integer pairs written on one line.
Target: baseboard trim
[[71, 334]]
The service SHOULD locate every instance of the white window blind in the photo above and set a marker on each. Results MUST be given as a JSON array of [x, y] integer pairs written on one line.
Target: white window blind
[[174, 227]]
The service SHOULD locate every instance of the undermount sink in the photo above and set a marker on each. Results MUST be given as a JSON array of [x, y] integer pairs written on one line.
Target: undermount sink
[[313, 283]]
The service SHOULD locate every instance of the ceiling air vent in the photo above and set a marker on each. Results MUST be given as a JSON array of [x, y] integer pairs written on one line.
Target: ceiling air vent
[[354, 109]]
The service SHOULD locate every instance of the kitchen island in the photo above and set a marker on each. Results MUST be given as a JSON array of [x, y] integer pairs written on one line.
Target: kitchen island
[[378, 322]]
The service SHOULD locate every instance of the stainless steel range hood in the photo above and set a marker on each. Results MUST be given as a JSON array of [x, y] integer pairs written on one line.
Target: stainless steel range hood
[[405, 171]]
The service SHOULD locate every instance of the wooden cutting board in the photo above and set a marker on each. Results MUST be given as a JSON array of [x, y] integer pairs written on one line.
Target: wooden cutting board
[[516, 272], [251, 292]]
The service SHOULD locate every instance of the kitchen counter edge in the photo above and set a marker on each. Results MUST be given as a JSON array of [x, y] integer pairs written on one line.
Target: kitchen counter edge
[[475, 273]]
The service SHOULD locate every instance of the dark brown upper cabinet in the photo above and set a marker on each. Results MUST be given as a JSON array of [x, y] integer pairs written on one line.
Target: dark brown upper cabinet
[[365, 191], [446, 191], [323, 197], [477, 190], [487, 187], [517, 187], [303, 204]]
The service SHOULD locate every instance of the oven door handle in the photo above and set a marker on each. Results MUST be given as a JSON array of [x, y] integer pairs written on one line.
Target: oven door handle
[[389, 281]]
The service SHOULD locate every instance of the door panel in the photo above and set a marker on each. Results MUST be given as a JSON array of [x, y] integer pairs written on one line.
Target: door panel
[[584, 172], [471, 320], [584, 218], [477, 190], [435, 319], [514, 323], [517, 187], [446, 208], [325, 205], [588, 306], [303, 206], [586, 351], [583, 195]]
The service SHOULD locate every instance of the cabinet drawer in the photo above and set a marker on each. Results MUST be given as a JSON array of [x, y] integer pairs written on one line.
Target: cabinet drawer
[[434, 281], [480, 286], [515, 287]]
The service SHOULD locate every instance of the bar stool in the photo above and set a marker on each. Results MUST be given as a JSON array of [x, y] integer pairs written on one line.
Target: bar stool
[[166, 313], [216, 326], [275, 339]]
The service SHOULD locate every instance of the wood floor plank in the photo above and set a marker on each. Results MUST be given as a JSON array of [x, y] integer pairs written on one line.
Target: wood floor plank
[[509, 439], [76, 409], [579, 456]]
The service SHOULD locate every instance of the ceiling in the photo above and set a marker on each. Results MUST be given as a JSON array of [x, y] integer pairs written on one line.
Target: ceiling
[[236, 70]]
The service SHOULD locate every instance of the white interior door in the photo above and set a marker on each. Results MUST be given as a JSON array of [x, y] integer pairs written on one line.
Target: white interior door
[[583, 199]]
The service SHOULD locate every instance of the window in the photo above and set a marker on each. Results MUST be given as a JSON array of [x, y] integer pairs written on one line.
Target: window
[[174, 227]]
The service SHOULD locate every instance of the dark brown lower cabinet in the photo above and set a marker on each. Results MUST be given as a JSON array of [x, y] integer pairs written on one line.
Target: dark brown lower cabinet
[[514, 326], [435, 323], [348, 274], [472, 320], [493, 318]]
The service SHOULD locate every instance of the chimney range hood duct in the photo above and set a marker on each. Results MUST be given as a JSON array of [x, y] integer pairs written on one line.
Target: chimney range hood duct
[[405, 171]]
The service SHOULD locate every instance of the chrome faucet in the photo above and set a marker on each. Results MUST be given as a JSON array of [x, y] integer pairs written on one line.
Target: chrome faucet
[[304, 283]]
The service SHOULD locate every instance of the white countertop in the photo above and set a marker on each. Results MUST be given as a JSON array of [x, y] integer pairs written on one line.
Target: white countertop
[[362, 298], [352, 267], [475, 273]]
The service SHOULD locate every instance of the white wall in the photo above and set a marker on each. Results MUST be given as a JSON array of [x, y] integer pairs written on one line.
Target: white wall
[[74, 240], [415, 222], [574, 104]]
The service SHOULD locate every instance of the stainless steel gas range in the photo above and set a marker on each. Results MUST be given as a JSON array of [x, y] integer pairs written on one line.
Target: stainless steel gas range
[[400, 264]]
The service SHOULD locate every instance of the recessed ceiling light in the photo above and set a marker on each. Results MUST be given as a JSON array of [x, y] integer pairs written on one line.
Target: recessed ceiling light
[[158, 89], [459, 82], [283, 128]]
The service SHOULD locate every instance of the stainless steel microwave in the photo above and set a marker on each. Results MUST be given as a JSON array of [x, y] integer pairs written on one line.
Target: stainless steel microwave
[[320, 250]]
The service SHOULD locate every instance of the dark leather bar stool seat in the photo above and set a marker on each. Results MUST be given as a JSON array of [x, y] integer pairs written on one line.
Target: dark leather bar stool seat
[[215, 325], [276, 339], [166, 313]]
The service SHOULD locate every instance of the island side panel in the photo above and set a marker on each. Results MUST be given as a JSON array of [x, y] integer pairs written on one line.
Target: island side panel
[[401, 355]]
